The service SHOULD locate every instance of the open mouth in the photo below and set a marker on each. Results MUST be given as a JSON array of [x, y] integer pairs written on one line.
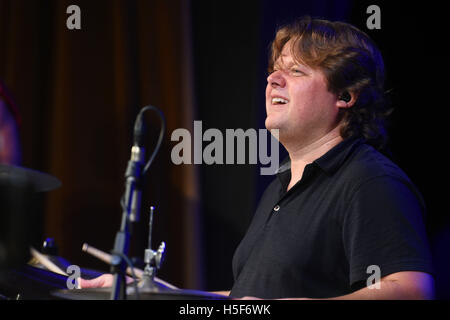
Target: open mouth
[[278, 101]]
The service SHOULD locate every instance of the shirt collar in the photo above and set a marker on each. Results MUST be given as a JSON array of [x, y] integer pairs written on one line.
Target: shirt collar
[[335, 157], [285, 165], [331, 160]]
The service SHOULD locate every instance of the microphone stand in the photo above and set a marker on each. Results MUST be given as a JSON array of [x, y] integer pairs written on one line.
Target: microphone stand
[[131, 202], [121, 245]]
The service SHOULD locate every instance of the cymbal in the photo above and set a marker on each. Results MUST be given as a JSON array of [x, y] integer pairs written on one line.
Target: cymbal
[[40, 181], [144, 294], [147, 290]]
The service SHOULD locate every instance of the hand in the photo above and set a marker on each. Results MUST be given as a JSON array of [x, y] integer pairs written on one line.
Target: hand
[[250, 298], [104, 281]]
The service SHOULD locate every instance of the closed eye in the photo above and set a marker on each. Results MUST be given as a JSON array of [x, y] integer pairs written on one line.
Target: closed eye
[[295, 71]]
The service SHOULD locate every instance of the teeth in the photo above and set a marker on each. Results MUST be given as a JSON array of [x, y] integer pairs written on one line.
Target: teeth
[[279, 101]]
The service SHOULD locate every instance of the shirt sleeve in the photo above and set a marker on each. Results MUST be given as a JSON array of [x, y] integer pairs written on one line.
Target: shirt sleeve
[[384, 226]]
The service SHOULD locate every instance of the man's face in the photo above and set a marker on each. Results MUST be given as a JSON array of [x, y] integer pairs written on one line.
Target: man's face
[[298, 102]]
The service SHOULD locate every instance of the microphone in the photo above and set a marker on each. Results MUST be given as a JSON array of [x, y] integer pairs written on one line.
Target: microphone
[[131, 202], [139, 130], [134, 169]]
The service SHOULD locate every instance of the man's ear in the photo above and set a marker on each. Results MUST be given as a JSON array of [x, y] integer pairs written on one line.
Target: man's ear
[[346, 99]]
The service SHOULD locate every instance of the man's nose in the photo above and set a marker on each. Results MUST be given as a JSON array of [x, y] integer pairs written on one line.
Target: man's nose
[[276, 79]]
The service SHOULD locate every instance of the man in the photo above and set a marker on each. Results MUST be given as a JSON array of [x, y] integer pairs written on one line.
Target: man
[[339, 213], [338, 210]]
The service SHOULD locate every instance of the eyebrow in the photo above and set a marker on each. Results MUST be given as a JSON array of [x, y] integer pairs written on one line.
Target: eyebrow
[[289, 64]]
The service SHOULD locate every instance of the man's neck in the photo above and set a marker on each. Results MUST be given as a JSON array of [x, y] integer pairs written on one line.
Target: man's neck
[[301, 155]]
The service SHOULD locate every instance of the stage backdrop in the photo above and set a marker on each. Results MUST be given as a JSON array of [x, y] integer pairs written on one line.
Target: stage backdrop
[[79, 92]]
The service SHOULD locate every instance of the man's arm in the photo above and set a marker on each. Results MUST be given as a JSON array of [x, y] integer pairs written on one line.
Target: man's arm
[[405, 285]]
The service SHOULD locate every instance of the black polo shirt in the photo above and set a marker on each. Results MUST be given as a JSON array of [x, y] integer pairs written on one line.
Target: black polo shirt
[[353, 208]]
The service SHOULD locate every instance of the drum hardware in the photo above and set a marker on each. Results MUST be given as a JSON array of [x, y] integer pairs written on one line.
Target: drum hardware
[[30, 283], [49, 247], [40, 181], [152, 259], [39, 282], [149, 287], [105, 257], [20, 188], [159, 293], [46, 262], [130, 202]]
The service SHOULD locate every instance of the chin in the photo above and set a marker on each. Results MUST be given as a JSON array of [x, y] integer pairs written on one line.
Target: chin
[[271, 124]]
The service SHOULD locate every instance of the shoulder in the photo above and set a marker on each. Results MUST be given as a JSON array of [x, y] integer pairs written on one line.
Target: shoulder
[[367, 163], [369, 170]]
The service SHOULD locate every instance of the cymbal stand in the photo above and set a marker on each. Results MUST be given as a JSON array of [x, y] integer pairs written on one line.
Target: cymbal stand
[[131, 201], [153, 260]]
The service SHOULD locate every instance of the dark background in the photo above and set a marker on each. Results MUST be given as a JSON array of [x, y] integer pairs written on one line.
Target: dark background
[[79, 92]]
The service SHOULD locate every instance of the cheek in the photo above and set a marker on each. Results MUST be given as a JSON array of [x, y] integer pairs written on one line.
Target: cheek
[[303, 97], [313, 100]]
